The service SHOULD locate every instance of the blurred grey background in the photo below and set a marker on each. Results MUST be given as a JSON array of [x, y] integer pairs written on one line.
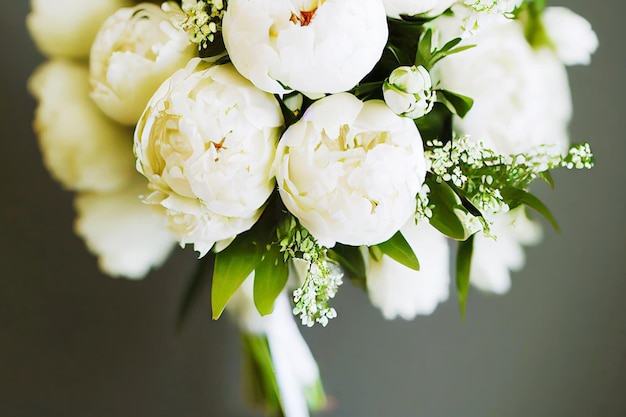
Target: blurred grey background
[[76, 343]]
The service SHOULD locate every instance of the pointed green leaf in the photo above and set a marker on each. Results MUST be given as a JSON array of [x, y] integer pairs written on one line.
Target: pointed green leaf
[[234, 264], [199, 278], [399, 250], [457, 103], [351, 259], [424, 48], [450, 44], [447, 210], [516, 196], [463, 266], [270, 277]]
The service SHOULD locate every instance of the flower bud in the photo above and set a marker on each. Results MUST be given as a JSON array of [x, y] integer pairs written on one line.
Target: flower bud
[[408, 91]]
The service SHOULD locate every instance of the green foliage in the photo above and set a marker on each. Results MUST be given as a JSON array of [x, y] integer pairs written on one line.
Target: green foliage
[[270, 277], [261, 386], [235, 263], [428, 56], [515, 197], [447, 211], [351, 260], [456, 103], [463, 266], [399, 250]]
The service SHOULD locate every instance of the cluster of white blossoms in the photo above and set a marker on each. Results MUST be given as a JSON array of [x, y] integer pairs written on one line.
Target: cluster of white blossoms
[[302, 143]]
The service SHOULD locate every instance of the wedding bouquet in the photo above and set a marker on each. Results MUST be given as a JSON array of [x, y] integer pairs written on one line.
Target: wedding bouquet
[[300, 143]]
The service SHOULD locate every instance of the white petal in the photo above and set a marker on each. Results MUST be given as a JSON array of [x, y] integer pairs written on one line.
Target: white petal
[[402, 292], [128, 237]]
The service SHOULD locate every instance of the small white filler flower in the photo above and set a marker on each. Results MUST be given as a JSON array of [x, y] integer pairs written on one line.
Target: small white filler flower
[[521, 95], [135, 50], [313, 46], [350, 170], [206, 143]]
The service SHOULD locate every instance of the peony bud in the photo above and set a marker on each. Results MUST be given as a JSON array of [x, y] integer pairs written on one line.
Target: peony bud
[[408, 92]]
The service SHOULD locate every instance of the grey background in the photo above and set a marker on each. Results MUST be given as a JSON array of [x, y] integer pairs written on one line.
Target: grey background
[[75, 343]]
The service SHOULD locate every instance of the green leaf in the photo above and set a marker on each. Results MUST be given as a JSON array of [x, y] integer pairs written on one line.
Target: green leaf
[[270, 277], [399, 250], [450, 44], [198, 279], [365, 90], [463, 266], [447, 210], [398, 54], [515, 196], [261, 386], [457, 103], [234, 264], [424, 51], [351, 259], [547, 177]]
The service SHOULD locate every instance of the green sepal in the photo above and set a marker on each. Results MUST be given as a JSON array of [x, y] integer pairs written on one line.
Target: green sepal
[[456, 103], [463, 267], [398, 249], [199, 278], [270, 277], [447, 209], [351, 260], [261, 386], [514, 197], [234, 264]]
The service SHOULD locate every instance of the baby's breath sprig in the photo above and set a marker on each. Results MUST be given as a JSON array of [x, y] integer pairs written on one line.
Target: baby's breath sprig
[[481, 174], [204, 20], [323, 276]]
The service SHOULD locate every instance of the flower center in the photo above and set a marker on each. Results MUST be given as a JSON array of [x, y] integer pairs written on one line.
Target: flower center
[[306, 13]]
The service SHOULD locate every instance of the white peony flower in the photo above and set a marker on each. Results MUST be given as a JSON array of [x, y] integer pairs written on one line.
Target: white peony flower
[[521, 95], [350, 171], [402, 292], [313, 46], [135, 50], [493, 259], [82, 148], [206, 143], [408, 92], [395, 8], [571, 35], [128, 236], [294, 366], [67, 28]]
